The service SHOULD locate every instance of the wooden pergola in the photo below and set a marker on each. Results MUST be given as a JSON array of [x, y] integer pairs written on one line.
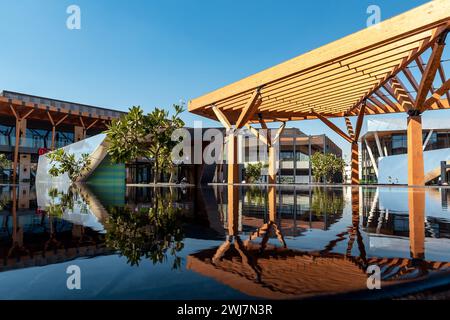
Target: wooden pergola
[[57, 116], [366, 73]]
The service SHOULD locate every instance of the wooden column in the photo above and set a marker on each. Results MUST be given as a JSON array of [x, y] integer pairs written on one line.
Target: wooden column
[[416, 204], [233, 210], [19, 128], [16, 150], [233, 165], [416, 175], [354, 135], [355, 163], [273, 149], [272, 199], [54, 125], [272, 165]]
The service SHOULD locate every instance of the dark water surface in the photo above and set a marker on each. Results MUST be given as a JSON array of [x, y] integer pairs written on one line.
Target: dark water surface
[[220, 242]]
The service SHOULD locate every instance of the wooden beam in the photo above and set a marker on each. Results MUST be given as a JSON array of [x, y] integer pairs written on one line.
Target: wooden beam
[[384, 79], [442, 75], [221, 117], [408, 74], [61, 120], [435, 98], [92, 124], [360, 121], [82, 122], [400, 94], [374, 108], [27, 114], [333, 127], [386, 100], [50, 118], [355, 163], [249, 110], [430, 72], [350, 130], [263, 124], [14, 111], [379, 104], [256, 133], [278, 133]]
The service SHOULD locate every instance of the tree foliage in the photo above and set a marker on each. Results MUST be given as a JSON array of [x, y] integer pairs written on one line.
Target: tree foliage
[[326, 166], [253, 172], [4, 162], [137, 135], [62, 162]]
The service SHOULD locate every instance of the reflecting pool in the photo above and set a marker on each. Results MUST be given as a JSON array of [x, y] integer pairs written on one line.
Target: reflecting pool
[[222, 242]]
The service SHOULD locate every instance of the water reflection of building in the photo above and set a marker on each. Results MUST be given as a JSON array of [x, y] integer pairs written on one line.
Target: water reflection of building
[[298, 209], [29, 237], [387, 213], [384, 149], [262, 269]]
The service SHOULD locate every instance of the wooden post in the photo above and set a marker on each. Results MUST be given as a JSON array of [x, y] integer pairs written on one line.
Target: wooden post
[[53, 137], [233, 210], [354, 144], [416, 203], [355, 163], [416, 175], [19, 128], [272, 164], [233, 165], [272, 195], [16, 149]]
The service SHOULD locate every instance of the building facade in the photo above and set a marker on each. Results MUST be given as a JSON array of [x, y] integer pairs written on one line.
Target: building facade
[[295, 149], [384, 150], [43, 124]]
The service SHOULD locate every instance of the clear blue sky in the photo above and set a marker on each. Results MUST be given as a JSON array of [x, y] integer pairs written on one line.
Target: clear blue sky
[[156, 53]]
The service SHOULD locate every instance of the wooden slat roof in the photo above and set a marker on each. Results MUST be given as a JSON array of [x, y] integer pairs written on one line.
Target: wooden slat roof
[[335, 79], [42, 111]]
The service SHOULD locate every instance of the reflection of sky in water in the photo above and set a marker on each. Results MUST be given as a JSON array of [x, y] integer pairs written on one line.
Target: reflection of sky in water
[[383, 230]]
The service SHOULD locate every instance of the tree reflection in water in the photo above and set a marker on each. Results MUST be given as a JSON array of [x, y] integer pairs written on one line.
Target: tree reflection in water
[[65, 201], [150, 233], [326, 201]]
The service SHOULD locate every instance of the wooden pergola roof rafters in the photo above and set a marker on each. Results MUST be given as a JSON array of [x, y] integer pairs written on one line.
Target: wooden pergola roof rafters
[[337, 79], [56, 116]]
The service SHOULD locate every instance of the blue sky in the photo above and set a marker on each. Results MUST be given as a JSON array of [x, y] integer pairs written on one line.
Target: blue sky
[[156, 53]]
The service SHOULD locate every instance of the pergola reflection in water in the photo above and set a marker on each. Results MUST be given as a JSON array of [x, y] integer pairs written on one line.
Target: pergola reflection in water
[[270, 253], [273, 271]]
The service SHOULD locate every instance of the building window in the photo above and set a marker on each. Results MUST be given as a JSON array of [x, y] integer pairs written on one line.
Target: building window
[[442, 140], [300, 156], [287, 155], [399, 144]]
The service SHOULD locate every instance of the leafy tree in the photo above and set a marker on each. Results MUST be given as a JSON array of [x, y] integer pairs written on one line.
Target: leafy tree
[[4, 162], [253, 172], [325, 166], [62, 162], [137, 135]]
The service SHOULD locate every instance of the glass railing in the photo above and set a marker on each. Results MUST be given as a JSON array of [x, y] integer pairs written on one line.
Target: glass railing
[[33, 143]]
